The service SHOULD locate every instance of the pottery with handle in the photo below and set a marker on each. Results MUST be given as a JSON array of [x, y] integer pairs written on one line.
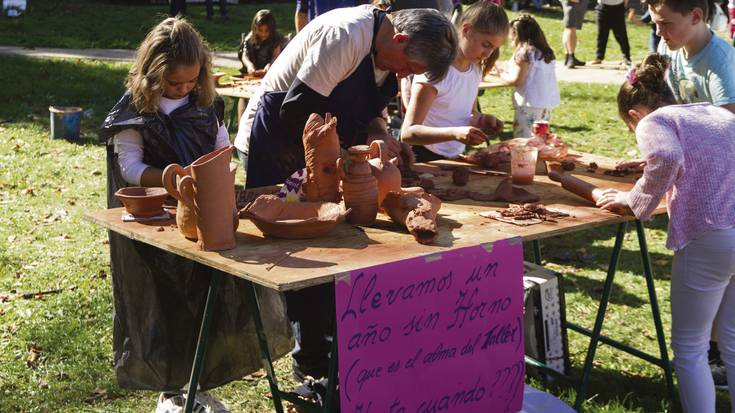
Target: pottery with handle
[[384, 170], [179, 184]]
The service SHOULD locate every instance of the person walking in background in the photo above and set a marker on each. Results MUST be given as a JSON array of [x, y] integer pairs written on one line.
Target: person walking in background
[[177, 7], [611, 16], [573, 18], [532, 73], [222, 9]]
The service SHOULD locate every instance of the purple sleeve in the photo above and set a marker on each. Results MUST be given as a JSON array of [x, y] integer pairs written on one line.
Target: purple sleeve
[[664, 157]]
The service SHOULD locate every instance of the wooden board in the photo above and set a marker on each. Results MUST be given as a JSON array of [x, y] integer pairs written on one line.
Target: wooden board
[[295, 264], [241, 89]]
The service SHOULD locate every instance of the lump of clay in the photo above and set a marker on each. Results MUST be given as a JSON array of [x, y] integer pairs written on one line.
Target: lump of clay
[[321, 150], [506, 192], [416, 210], [460, 176]]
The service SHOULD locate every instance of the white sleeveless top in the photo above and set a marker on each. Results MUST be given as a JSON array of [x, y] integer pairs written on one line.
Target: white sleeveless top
[[540, 89]]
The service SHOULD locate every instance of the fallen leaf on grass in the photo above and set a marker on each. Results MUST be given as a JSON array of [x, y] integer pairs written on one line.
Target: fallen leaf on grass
[[43, 384], [34, 354], [28, 191], [11, 238], [662, 261]]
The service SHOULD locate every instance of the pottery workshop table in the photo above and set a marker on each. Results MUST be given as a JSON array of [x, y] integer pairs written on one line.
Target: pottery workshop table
[[240, 89], [295, 264]]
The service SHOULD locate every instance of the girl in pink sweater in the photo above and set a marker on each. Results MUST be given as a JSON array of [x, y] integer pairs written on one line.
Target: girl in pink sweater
[[689, 152]]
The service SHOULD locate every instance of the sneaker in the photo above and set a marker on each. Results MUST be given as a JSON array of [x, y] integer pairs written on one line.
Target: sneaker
[[577, 62], [719, 375], [203, 403], [568, 62], [596, 62]]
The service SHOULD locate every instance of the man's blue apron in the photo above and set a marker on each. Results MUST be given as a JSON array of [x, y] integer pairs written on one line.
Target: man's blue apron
[[355, 101]]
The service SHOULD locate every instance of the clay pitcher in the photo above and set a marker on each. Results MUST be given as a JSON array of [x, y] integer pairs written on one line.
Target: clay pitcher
[[359, 186], [384, 170], [214, 200], [183, 190]]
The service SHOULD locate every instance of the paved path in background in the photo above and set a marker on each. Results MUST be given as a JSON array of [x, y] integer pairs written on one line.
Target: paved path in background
[[229, 59]]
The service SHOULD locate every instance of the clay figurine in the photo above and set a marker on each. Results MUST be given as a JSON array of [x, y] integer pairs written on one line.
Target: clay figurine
[[384, 170], [359, 186], [321, 150], [414, 209]]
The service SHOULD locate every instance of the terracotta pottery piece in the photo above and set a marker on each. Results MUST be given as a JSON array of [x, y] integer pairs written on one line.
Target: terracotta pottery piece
[[573, 184], [384, 170], [506, 192], [175, 184], [293, 220], [209, 194], [142, 202], [460, 176], [416, 210], [321, 150], [359, 186]]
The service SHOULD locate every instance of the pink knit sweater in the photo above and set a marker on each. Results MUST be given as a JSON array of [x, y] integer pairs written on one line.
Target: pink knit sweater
[[690, 159]]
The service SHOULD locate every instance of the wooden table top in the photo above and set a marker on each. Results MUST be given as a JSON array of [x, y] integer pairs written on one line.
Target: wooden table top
[[295, 264], [240, 89]]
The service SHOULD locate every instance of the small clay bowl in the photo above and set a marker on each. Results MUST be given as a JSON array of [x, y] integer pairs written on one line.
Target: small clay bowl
[[293, 220], [142, 202]]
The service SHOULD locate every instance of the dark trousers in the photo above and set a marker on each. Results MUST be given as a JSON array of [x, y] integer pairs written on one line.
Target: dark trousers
[[222, 8], [611, 17], [311, 314], [177, 6]]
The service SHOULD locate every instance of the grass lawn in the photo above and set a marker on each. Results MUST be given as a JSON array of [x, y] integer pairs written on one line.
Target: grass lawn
[[105, 24]]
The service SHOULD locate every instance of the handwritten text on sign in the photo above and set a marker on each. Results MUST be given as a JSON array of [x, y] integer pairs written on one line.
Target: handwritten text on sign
[[434, 334]]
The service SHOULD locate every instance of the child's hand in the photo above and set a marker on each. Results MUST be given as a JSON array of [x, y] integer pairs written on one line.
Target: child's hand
[[469, 135], [614, 201], [488, 123]]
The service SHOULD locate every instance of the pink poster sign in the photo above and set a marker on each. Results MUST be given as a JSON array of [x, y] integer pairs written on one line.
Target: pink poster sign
[[441, 333]]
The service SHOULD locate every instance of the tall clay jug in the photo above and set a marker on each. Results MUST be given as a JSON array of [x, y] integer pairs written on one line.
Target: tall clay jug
[[214, 200], [359, 186], [183, 190], [384, 170]]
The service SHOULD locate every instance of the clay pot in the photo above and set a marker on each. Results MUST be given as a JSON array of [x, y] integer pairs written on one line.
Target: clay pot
[[209, 193], [142, 202], [181, 189], [293, 220], [321, 150], [416, 210], [359, 186], [384, 170]]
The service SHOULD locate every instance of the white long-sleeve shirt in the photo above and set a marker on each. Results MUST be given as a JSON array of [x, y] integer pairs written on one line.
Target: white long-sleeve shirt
[[129, 144]]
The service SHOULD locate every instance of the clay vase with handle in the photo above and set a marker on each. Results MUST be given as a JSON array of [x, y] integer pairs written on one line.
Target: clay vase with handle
[[214, 200], [321, 150], [384, 170], [180, 185], [359, 186], [414, 209]]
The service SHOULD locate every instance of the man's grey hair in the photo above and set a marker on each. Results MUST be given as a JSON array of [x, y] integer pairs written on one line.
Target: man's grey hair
[[433, 39]]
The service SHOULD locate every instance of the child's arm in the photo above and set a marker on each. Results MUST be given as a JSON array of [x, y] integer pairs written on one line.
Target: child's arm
[[519, 79], [415, 133], [246, 62], [276, 52]]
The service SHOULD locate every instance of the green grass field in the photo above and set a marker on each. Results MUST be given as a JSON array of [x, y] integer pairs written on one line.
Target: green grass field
[[55, 349]]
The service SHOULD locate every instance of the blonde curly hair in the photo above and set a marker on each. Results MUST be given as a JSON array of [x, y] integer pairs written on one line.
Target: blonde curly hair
[[171, 43]]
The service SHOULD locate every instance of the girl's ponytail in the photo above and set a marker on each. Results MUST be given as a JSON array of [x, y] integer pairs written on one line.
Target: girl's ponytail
[[646, 85]]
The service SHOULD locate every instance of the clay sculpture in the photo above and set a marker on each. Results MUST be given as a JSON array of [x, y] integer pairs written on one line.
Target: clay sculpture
[[414, 209], [321, 150], [359, 186], [571, 183], [210, 194], [293, 220], [385, 171], [174, 183], [142, 202]]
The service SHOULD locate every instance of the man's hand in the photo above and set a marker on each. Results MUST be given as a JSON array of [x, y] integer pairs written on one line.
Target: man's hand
[[392, 146], [614, 201], [469, 135]]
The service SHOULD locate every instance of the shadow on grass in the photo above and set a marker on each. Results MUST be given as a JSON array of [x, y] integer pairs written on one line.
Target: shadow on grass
[[35, 84]]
